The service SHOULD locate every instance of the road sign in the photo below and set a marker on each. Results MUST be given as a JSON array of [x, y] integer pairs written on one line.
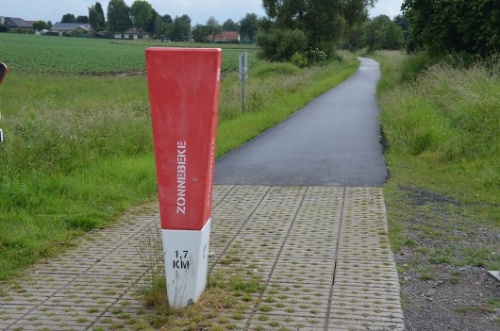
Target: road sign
[[184, 97], [243, 66]]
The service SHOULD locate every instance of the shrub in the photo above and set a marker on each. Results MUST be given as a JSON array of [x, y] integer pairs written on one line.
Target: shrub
[[315, 55], [299, 60], [413, 65], [281, 44]]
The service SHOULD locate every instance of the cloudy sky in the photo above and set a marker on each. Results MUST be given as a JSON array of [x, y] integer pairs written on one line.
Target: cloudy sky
[[198, 10]]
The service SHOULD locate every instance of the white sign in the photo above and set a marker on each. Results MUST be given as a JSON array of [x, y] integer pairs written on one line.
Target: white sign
[[243, 67], [186, 264]]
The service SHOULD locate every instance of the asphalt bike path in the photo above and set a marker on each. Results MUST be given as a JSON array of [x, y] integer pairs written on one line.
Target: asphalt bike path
[[300, 208], [334, 140]]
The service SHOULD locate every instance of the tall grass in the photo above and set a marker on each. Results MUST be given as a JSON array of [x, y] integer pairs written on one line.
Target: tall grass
[[444, 125], [78, 149]]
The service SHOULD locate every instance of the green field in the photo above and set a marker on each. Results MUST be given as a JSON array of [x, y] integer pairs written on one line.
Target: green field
[[78, 149], [61, 55]]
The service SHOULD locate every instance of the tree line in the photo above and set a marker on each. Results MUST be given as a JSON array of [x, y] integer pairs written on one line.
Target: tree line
[[310, 31], [143, 17], [442, 26]]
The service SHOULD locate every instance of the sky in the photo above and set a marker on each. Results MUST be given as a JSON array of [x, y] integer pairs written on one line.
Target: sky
[[199, 10]]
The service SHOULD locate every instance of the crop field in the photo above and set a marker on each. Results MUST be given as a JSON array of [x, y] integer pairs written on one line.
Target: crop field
[[31, 54]]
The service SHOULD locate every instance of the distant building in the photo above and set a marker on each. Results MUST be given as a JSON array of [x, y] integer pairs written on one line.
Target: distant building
[[132, 34], [15, 23], [61, 28], [31, 23], [225, 37]]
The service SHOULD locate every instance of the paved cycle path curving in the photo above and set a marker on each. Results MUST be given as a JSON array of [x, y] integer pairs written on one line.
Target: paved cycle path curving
[[334, 140]]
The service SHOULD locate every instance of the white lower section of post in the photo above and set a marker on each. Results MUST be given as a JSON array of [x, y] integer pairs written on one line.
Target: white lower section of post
[[186, 264]]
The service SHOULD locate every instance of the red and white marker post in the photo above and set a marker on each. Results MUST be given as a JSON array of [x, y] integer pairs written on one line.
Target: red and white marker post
[[184, 89], [3, 72]]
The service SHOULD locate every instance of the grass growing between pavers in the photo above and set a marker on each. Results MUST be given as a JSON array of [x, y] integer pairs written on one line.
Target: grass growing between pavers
[[442, 130], [227, 299], [78, 148]]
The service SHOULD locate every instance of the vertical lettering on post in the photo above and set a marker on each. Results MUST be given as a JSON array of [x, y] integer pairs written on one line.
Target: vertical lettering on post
[[181, 177]]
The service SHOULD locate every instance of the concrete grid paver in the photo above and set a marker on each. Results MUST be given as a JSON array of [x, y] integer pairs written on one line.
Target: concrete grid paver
[[322, 254]]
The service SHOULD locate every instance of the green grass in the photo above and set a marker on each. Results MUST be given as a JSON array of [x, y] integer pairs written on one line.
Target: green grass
[[442, 127], [223, 293], [445, 125], [78, 148]]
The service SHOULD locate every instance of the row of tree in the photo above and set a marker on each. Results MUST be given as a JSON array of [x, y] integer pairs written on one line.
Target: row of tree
[[437, 26], [142, 16], [378, 33], [311, 30], [247, 27]]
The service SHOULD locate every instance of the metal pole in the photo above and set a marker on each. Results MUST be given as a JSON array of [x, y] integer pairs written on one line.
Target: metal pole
[[243, 97], [243, 66]]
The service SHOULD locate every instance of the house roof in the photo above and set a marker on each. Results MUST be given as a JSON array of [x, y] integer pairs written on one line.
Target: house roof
[[135, 31], [16, 22], [226, 36], [71, 26]]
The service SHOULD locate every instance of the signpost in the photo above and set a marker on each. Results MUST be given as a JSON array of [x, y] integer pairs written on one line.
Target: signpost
[[184, 97], [243, 66], [3, 72]]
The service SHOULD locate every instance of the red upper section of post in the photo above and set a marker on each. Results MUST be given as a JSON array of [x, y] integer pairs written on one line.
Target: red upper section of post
[[184, 97], [3, 71]]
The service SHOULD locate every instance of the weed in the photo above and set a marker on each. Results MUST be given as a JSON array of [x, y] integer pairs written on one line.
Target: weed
[[274, 324], [493, 302], [424, 274], [265, 308], [410, 243], [238, 316], [150, 255], [477, 257], [454, 280], [465, 310]]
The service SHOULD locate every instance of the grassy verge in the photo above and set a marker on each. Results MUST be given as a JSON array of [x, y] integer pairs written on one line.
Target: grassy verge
[[443, 197], [442, 128], [78, 149]]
